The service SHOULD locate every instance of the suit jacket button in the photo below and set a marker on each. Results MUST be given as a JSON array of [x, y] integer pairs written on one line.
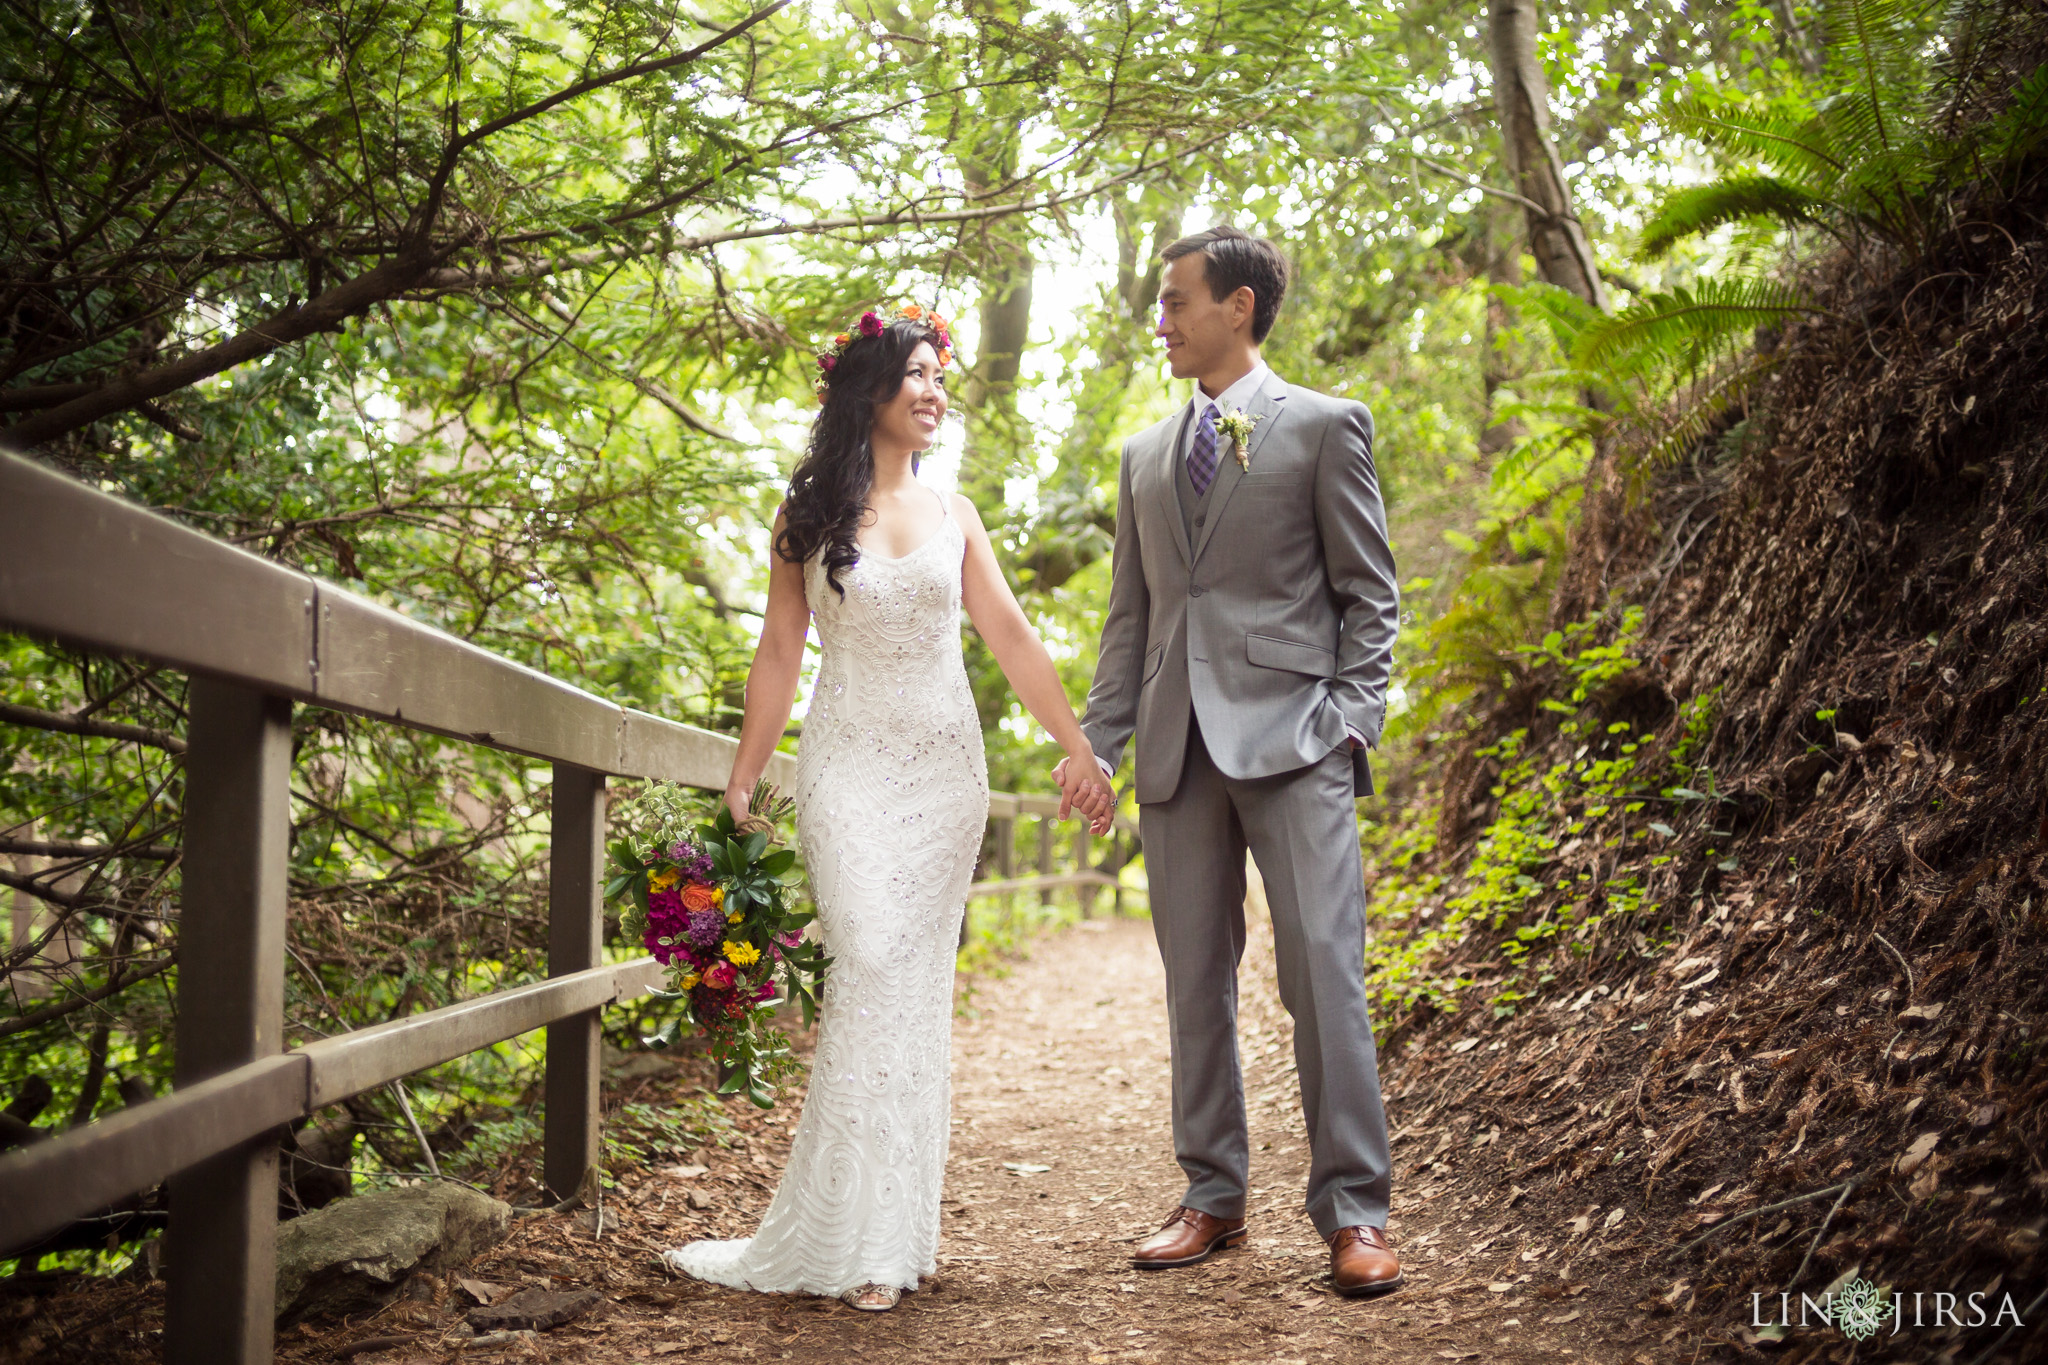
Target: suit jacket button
[[1196, 590]]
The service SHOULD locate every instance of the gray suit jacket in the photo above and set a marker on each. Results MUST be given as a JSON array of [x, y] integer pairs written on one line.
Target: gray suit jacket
[[1274, 624]]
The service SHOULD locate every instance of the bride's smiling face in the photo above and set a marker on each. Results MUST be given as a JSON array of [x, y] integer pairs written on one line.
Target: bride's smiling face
[[911, 419]]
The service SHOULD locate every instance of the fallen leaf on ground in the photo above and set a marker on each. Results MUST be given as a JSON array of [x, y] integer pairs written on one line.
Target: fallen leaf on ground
[[1917, 1154], [483, 1291]]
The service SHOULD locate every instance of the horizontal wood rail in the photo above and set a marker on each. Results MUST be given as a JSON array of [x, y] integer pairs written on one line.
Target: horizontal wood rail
[[1057, 882], [93, 571], [88, 569], [50, 1184]]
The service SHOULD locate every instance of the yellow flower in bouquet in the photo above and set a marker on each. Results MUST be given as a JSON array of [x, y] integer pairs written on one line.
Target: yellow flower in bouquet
[[741, 954], [662, 878]]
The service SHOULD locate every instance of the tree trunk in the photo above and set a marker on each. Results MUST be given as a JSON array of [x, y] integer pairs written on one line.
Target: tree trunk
[[1500, 364], [1521, 96], [992, 435], [1564, 257]]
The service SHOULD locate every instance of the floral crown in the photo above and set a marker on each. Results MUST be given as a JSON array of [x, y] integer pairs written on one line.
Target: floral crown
[[871, 324]]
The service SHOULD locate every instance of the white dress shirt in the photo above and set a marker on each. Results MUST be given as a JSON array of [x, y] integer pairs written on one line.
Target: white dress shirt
[[1231, 399]]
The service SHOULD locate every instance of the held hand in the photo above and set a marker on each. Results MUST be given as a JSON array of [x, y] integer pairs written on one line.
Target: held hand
[[1059, 777], [737, 799], [1083, 788]]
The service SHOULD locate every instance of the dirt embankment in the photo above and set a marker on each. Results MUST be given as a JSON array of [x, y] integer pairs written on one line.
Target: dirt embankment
[[1814, 1056]]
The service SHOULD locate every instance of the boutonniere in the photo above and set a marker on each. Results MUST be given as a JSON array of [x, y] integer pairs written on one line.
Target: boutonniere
[[1238, 427]]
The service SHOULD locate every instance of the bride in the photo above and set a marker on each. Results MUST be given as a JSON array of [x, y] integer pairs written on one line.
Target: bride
[[891, 799]]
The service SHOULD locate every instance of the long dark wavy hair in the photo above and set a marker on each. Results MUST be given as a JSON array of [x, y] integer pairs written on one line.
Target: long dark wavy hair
[[828, 490]]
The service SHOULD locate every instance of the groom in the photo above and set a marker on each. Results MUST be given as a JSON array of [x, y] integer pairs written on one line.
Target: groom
[[1251, 624]]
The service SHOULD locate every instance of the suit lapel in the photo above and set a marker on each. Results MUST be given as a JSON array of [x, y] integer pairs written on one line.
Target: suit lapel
[[1163, 476], [1266, 406]]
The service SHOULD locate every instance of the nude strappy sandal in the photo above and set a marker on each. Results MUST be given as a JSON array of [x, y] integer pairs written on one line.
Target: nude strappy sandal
[[872, 1298]]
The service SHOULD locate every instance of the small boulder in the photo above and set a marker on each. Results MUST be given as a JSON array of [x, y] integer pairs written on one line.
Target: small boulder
[[352, 1255]]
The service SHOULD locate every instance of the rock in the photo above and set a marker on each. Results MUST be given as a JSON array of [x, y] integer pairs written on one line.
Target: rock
[[353, 1254], [534, 1310], [643, 1066]]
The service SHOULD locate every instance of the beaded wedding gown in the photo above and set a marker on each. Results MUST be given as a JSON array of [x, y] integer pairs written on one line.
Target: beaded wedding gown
[[891, 798]]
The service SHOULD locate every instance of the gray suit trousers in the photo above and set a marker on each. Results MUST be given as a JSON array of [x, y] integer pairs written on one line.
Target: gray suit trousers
[[1302, 830]]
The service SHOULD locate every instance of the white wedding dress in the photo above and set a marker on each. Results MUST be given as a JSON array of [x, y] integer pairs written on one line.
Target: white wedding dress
[[891, 799]]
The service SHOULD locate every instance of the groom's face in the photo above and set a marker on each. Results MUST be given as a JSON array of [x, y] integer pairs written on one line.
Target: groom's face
[[1200, 331]]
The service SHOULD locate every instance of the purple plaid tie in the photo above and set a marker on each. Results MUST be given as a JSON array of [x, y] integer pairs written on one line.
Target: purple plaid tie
[[1202, 454]]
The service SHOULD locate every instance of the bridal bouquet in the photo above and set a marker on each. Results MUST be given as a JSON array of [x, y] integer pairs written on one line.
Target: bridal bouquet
[[709, 900]]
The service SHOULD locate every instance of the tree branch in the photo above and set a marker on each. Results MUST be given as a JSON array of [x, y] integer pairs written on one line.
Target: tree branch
[[624, 73], [452, 278], [12, 714], [71, 848], [322, 313], [30, 397], [114, 985]]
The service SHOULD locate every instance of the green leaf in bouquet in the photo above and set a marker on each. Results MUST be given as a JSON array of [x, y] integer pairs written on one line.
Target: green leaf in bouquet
[[664, 1035], [761, 1096], [755, 842], [625, 857], [615, 888], [659, 994], [797, 919], [778, 862], [742, 1077]]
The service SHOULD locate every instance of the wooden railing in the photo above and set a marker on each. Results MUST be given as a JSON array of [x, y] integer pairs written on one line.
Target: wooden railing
[[1087, 879], [256, 638]]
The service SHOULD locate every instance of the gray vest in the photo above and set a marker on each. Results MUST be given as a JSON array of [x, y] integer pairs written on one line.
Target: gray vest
[[1194, 507]]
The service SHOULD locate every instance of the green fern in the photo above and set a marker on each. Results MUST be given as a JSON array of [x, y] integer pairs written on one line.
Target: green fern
[[1703, 406], [1798, 147], [1731, 199], [1687, 327], [1871, 155]]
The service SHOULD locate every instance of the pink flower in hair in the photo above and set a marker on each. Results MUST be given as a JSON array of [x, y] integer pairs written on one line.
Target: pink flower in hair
[[870, 325]]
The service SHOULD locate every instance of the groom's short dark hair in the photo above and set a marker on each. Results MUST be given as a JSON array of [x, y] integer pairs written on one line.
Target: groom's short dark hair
[[1234, 260]]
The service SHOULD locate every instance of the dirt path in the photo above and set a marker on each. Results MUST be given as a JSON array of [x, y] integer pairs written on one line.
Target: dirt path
[[1062, 1066]]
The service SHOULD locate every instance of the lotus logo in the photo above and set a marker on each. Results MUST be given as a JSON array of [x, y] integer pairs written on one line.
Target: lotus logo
[[1859, 1309]]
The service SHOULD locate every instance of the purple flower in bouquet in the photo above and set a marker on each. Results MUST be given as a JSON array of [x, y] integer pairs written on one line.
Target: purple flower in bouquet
[[693, 862], [705, 929]]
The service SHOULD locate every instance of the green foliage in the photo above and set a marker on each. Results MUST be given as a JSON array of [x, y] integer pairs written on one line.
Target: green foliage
[[1420, 913], [636, 1134]]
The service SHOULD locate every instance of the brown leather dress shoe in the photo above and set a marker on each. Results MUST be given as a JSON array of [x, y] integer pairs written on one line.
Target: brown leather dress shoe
[[1188, 1236], [1362, 1263]]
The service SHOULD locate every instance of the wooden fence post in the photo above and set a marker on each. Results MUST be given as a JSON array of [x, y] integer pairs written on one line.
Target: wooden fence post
[[1045, 856], [1006, 865], [222, 1243], [575, 942], [1085, 894]]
